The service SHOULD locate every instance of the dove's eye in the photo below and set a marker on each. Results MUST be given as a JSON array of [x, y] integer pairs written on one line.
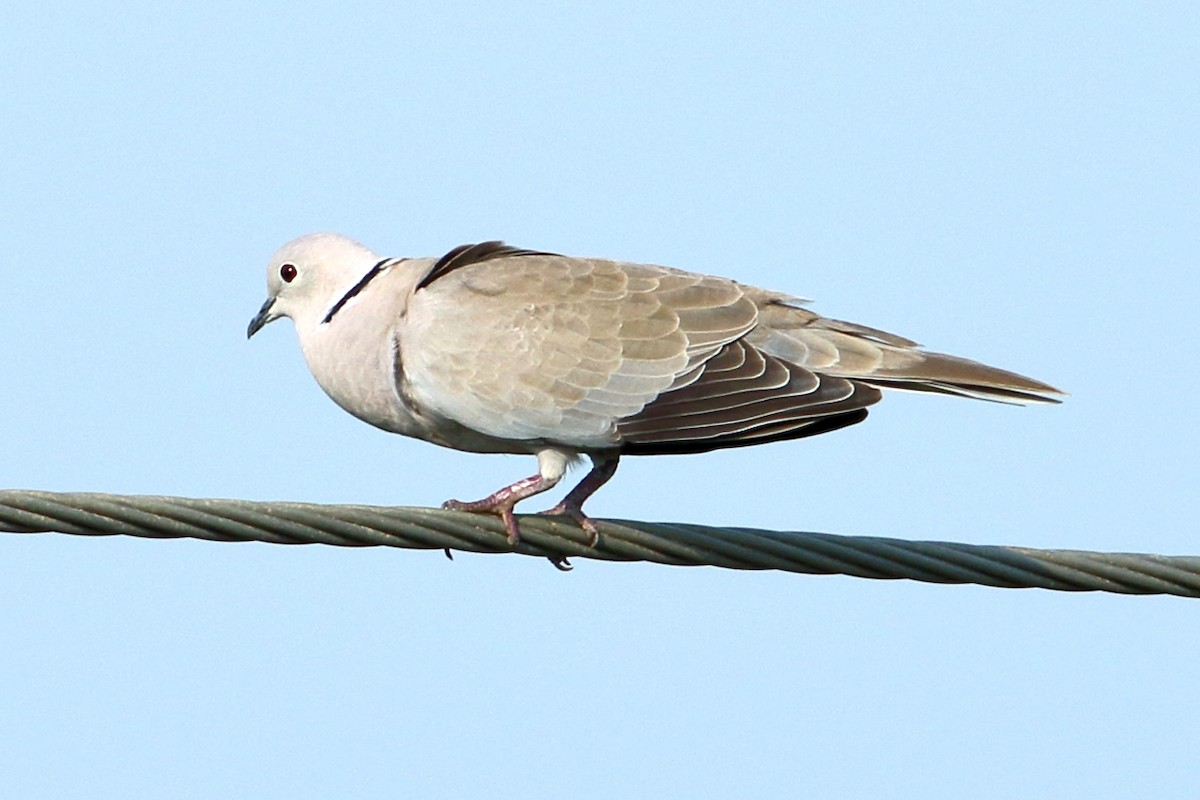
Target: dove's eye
[[288, 273]]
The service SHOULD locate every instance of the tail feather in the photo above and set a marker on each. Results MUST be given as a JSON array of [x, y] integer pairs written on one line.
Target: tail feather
[[945, 374], [842, 349]]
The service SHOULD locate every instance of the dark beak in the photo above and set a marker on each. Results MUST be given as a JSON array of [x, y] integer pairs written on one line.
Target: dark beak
[[263, 316]]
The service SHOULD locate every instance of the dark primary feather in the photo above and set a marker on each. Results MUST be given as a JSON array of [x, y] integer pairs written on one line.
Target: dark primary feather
[[743, 396], [467, 254]]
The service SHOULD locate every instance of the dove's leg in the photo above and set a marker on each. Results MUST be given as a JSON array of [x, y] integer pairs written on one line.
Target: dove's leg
[[603, 468], [552, 465]]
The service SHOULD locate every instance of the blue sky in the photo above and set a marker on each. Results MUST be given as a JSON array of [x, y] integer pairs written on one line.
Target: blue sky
[[1016, 183]]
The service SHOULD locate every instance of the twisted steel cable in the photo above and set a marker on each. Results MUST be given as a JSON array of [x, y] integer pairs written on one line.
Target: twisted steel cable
[[620, 540]]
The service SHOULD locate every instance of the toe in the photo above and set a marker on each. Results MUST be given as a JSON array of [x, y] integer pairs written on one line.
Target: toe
[[576, 514], [590, 528], [558, 511], [510, 526]]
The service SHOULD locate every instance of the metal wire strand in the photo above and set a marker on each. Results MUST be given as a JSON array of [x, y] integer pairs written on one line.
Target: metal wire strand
[[620, 540]]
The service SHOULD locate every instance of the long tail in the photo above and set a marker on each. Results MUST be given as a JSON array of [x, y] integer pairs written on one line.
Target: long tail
[[848, 350], [945, 374]]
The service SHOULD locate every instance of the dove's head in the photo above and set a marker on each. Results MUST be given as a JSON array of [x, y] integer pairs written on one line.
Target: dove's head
[[307, 277]]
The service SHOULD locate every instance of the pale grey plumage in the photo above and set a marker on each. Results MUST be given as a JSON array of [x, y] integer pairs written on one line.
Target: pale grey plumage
[[496, 349]]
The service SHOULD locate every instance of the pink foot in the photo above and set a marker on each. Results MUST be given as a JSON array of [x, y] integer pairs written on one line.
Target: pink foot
[[505, 512], [603, 467], [501, 503], [575, 512]]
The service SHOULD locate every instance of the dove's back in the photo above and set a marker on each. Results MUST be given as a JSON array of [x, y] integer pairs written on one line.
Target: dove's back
[[534, 349]]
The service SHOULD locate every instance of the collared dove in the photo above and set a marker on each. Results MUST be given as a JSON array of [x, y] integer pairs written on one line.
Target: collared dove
[[495, 349]]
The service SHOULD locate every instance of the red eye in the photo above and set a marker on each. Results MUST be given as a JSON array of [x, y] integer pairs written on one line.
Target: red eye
[[288, 273]]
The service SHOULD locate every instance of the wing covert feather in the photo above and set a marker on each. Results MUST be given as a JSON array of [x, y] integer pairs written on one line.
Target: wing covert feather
[[534, 346]]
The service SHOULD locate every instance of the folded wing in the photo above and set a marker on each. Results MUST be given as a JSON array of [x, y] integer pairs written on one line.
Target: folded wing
[[590, 354], [539, 347]]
